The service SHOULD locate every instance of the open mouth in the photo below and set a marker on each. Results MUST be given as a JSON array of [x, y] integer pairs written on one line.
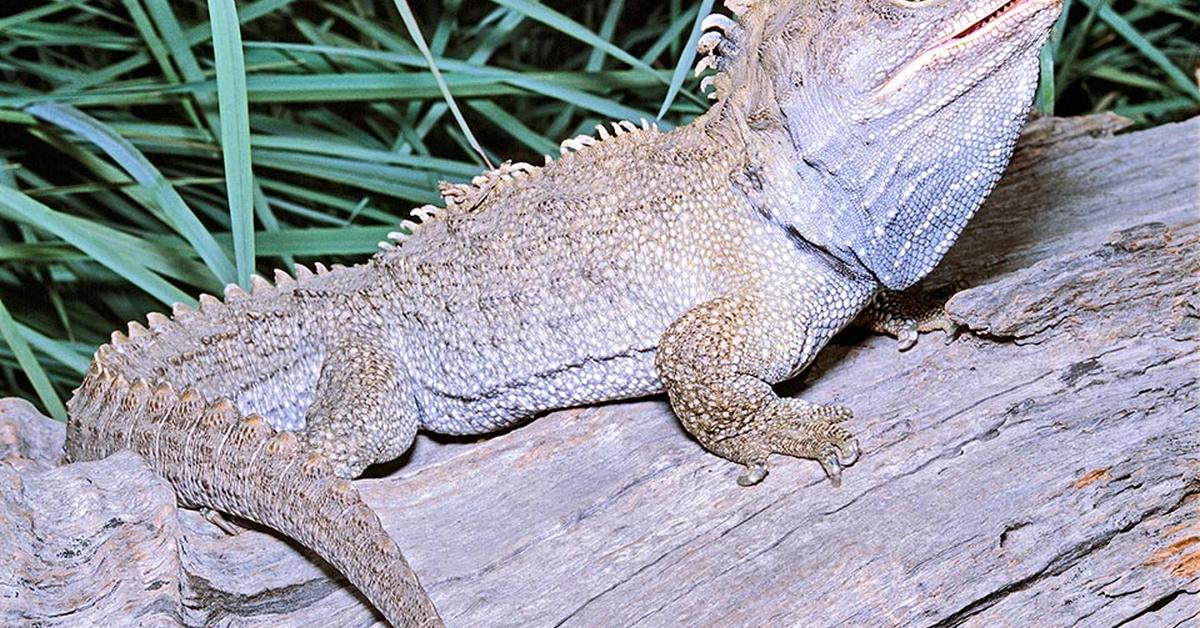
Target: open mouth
[[987, 19], [963, 36]]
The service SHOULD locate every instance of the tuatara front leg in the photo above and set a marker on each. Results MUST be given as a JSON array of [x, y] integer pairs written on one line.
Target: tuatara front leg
[[906, 314], [718, 363]]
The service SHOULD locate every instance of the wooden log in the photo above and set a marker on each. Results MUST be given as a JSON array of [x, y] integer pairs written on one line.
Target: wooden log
[[1044, 469], [85, 543]]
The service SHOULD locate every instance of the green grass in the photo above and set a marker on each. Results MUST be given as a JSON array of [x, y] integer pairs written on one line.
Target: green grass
[[154, 150]]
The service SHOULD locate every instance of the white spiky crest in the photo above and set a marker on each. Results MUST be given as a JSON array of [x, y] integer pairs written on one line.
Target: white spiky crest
[[159, 323], [465, 197], [720, 32]]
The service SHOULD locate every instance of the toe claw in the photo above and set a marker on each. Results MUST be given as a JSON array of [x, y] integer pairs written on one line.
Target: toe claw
[[708, 42], [228, 527], [952, 330], [848, 454], [719, 22], [753, 474], [833, 469]]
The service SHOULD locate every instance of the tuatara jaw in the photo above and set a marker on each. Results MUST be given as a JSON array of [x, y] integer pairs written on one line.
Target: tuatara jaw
[[977, 25], [980, 28]]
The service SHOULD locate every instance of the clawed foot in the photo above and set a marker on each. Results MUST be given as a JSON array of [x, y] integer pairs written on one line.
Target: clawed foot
[[800, 429], [908, 314], [908, 330]]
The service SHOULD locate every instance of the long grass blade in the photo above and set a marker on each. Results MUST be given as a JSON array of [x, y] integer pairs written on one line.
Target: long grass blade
[[67, 354], [686, 60], [83, 236], [235, 132], [133, 162], [571, 28], [1143, 45], [29, 364], [414, 31]]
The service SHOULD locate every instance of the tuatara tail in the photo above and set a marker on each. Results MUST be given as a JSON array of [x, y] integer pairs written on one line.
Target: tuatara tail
[[240, 465]]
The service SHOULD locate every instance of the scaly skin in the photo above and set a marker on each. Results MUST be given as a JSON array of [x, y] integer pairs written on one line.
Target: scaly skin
[[850, 143]]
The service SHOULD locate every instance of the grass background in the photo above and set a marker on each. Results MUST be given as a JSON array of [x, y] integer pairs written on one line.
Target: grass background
[[153, 150]]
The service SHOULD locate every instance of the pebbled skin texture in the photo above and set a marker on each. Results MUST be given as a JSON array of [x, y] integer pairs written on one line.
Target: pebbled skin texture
[[849, 144]]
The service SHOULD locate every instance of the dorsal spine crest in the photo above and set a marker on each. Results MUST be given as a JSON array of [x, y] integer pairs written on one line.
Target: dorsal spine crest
[[182, 315], [720, 45], [467, 197]]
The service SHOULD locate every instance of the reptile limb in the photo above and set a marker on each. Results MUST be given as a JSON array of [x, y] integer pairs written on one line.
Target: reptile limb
[[906, 314], [718, 362], [360, 413]]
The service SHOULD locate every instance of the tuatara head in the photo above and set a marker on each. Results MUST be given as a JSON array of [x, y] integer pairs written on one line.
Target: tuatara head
[[901, 114]]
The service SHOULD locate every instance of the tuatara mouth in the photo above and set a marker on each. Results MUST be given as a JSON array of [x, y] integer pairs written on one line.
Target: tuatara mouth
[[969, 30], [979, 24]]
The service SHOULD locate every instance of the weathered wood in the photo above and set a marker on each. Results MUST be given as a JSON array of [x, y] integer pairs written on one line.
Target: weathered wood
[[1044, 469], [84, 542]]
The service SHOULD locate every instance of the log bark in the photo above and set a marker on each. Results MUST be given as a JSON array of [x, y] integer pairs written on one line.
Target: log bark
[[1043, 469]]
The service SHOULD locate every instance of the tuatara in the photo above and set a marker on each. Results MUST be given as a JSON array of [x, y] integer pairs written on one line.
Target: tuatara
[[849, 143]]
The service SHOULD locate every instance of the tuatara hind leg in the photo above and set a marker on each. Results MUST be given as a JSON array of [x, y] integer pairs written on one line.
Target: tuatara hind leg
[[361, 413], [718, 362], [907, 314]]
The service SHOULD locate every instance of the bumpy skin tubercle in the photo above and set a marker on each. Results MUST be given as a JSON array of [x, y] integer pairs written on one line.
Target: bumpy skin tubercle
[[850, 142]]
